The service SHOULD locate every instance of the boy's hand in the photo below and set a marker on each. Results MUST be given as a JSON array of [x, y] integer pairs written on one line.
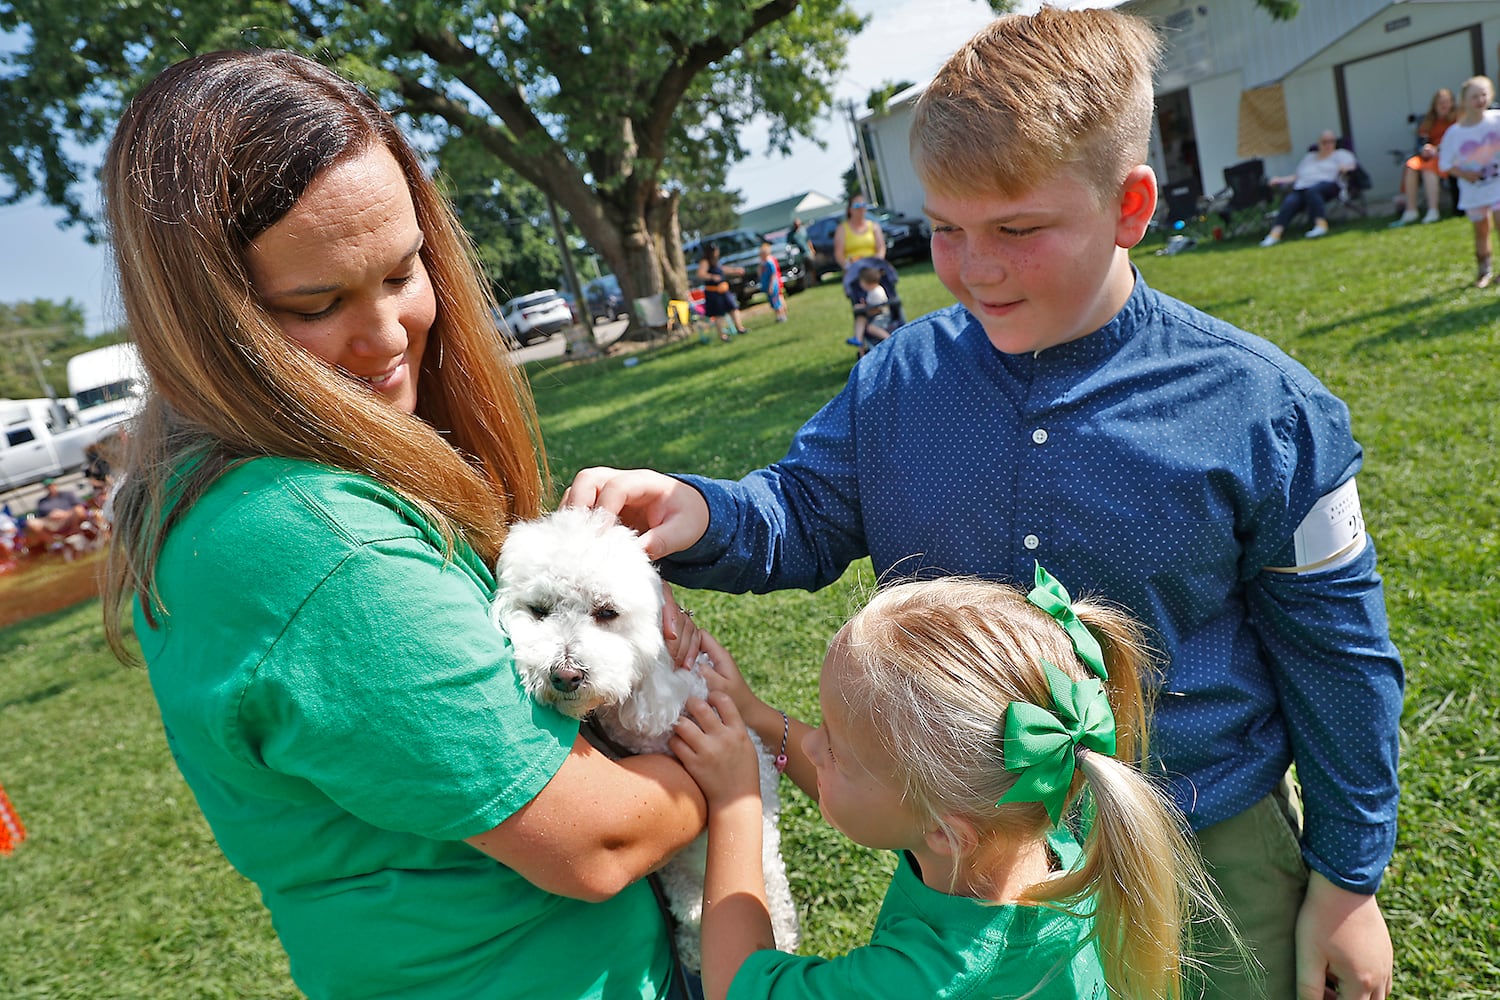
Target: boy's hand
[[667, 513], [1343, 946], [712, 743]]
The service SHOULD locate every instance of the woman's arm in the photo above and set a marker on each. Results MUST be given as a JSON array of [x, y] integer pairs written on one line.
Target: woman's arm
[[879, 240], [599, 824], [838, 246]]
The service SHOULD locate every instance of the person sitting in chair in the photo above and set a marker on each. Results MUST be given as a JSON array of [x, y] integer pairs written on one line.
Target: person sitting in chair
[[1422, 166], [1315, 182], [871, 308]]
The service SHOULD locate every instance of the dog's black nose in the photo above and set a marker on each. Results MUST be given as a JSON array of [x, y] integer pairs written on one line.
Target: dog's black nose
[[566, 679]]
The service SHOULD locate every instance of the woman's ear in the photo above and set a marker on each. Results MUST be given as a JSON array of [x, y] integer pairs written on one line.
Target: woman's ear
[[1137, 205]]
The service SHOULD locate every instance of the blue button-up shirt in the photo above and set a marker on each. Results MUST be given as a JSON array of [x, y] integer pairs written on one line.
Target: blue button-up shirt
[[1162, 462]]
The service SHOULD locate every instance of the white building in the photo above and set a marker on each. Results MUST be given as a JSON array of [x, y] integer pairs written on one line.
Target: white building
[[1236, 84]]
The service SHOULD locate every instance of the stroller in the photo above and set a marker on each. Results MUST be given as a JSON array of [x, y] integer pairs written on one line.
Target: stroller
[[880, 319]]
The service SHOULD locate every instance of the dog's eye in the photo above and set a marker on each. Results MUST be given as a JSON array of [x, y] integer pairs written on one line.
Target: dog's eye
[[538, 610], [605, 613]]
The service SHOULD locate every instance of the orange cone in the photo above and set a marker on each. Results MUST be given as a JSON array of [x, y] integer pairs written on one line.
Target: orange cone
[[12, 830]]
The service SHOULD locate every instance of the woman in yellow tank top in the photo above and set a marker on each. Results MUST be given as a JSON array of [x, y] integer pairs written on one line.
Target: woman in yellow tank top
[[857, 237]]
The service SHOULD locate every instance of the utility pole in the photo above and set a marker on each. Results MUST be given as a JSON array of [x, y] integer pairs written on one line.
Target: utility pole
[[581, 342], [862, 169], [23, 334]]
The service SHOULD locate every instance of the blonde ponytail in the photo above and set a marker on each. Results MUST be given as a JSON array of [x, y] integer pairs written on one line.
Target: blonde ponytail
[[1140, 875]]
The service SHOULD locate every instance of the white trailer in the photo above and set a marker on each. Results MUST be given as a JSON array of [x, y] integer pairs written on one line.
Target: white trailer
[[106, 382]]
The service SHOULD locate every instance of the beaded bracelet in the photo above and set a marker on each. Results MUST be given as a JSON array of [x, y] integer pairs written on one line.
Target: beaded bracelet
[[786, 729]]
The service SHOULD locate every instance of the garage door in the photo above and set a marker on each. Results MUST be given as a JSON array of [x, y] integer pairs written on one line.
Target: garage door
[[1382, 91]]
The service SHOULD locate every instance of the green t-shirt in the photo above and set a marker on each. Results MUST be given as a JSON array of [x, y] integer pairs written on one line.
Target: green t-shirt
[[343, 710], [935, 946]]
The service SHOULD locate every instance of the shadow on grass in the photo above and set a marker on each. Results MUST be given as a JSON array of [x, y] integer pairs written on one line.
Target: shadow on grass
[[1482, 313], [35, 697]]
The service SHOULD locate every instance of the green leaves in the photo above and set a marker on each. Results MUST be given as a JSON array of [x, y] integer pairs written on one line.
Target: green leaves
[[597, 102]]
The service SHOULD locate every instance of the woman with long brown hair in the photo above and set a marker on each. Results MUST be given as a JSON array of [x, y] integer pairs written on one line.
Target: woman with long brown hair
[[332, 450]]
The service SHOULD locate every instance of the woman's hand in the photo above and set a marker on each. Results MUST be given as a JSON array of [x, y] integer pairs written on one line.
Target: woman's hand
[[684, 638], [714, 746], [667, 513]]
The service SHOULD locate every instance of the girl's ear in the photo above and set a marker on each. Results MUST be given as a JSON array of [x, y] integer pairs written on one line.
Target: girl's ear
[[965, 832]]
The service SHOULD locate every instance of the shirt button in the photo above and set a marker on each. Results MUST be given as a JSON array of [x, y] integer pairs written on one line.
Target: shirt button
[[1031, 541], [1039, 436]]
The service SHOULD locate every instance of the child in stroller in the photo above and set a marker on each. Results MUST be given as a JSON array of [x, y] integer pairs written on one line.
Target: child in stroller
[[870, 284]]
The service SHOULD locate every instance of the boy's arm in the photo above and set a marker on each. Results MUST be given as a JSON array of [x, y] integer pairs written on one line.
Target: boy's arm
[[713, 745], [797, 523], [1340, 683], [1341, 936]]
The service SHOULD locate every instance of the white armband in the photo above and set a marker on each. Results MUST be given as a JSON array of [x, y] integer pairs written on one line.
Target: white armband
[[1331, 534]]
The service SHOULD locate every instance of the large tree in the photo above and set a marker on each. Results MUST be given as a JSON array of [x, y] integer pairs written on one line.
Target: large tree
[[602, 104]]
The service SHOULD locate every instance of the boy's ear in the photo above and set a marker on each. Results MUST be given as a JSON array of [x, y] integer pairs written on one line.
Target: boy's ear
[[1137, 206]]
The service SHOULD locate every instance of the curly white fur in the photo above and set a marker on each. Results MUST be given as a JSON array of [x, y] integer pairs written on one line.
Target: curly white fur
[[582, 606]]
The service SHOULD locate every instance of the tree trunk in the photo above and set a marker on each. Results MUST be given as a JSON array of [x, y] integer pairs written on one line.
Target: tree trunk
[[666, 234], [640, 239]]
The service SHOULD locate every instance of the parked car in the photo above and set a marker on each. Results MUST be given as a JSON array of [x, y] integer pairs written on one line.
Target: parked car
[[536, 316], [740, 248], [906, 238], [605, 300], [40, 439]]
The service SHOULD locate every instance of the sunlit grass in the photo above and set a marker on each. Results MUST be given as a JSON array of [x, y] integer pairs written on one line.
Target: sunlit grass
[[120, 891]]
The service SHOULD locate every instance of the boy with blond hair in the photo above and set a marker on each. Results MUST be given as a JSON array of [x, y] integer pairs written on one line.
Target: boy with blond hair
[[1065, 413]]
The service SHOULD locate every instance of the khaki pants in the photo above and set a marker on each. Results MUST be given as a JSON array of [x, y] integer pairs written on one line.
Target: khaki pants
[[1256, 861]]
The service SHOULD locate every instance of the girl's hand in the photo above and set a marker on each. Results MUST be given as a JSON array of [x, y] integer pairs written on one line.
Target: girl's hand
[[712, 743], [723, 674]]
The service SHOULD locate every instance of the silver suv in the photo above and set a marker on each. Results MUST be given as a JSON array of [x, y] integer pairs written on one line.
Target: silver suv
[[536, 315]]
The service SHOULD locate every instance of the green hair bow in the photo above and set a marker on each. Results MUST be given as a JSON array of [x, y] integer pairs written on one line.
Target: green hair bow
[[1052, 597], [1042, 744]]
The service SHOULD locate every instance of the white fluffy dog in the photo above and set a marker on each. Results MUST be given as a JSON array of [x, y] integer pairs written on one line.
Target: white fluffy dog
[[582, 605]]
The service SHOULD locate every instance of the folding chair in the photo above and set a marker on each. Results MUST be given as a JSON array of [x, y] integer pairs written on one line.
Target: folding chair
[[665, 319], [1246, 201], [1352, 187], [1183, 200]]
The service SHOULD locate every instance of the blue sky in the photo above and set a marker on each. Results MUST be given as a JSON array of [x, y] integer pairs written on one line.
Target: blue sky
[[905, 39]]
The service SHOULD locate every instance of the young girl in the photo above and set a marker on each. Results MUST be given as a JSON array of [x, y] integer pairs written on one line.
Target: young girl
[[770, 282], [1470, 151], [719, 302], [960, 721], [1422, 166]]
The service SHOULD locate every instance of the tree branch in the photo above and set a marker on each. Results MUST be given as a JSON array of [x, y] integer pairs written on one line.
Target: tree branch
[[652, 133]]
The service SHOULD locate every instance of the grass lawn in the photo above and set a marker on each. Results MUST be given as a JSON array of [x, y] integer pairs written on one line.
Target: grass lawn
[[120, 891]]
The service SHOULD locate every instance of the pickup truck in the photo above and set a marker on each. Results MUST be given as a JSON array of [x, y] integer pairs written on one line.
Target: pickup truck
[[30, 450]]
